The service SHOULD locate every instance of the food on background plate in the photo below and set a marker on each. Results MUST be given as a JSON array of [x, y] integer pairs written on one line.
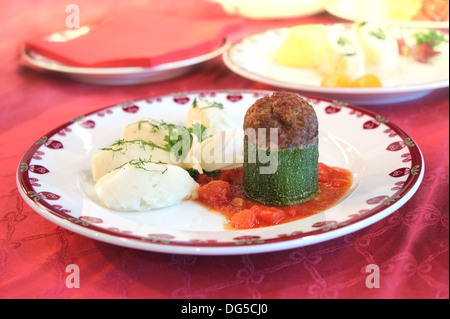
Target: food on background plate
[[358, 54], [342, 80], [338, 49], [422, 45], [325, 48], [345, 54], [157, 164], [280, 150], [418, 10], [380, 47], [434, 10], [400, 9], [305, 46]]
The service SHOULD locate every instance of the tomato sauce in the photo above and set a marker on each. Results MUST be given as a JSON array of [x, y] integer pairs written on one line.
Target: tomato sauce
[[224, 193]]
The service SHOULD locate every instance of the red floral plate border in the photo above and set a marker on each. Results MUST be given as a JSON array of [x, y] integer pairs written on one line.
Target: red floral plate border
[[54, 173]]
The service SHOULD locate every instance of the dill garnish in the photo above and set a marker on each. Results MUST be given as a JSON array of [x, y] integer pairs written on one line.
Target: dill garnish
[[121, 145], [214, 104], [155, 125], [432, 36], [179, 139], [342, 41], [140, 164], [379, 34]]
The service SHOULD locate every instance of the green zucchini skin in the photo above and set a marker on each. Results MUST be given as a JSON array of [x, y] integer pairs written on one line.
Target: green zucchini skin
[[295, 179]]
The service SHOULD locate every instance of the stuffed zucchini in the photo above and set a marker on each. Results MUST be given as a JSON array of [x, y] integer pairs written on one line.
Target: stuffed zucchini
[[281, 157]]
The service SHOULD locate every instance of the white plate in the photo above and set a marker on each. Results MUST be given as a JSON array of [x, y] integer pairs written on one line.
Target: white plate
[[253, 58], [54, 178], [272, 9], [360, 10], [119, 75]]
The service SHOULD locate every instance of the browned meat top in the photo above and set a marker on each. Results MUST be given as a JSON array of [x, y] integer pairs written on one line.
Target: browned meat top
[[294, 118]]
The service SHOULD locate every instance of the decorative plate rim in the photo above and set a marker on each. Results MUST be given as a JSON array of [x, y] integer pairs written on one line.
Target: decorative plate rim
[[88, 229]]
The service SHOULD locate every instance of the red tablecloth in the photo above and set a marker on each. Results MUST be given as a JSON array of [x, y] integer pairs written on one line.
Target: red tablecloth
[[410, 246]]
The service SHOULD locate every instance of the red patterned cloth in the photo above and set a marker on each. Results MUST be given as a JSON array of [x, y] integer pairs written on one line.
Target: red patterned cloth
[[410, 246]]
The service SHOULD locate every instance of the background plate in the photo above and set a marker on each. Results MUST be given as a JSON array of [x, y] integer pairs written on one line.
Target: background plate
[[359, 10], [253, 58], [120, 75]]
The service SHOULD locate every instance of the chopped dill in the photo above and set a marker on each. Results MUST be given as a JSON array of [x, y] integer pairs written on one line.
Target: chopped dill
[[213, 173], [179, 139], [117, 145], [140, 164], [379, 34], [342, 41], [155, 125], [200, 131], [193, 172], [214, 104], [431, 36]]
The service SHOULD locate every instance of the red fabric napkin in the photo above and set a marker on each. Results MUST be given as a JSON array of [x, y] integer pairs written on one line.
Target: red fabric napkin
[[143, 41]]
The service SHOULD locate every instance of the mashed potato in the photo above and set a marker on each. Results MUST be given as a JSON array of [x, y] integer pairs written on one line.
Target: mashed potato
[[107, 159], [147, 130], [148, 167], [210, 114], [140, 185]]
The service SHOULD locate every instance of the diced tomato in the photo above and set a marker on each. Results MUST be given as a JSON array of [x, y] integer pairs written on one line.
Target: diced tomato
[[339, 183], [244, 219], [291, 211], [423, 52], [224, 193], [434, 10], [270, 215], [215, 192], [256, 215], [232, 176], [238, 202], [403, 48], [203, 179], [324, 173], [294, 211]]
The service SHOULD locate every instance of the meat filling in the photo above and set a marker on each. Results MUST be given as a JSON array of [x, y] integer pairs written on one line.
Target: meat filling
[[294, 118]]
